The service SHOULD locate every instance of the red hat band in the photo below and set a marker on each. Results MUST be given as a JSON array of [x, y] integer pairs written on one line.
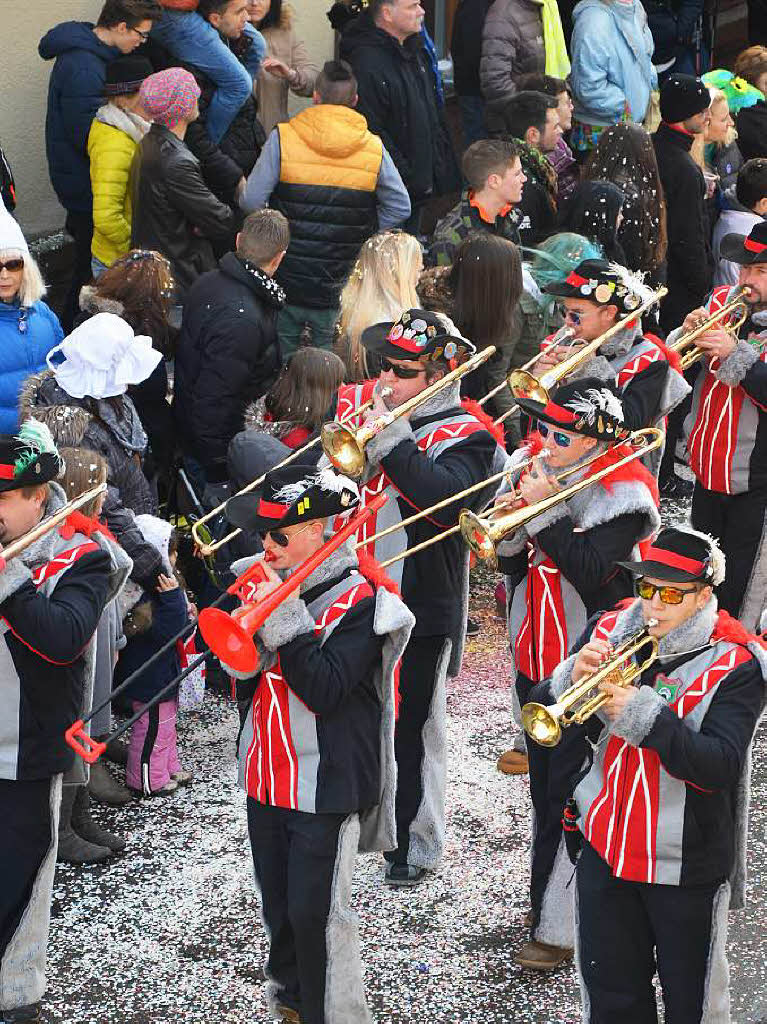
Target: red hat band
[[673, 560], [559, 412], [753, 246], [576, 280], [272, 509], [7, 471]]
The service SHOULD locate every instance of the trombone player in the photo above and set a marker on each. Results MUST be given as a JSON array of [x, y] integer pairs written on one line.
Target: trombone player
[[660, 809], [727, 431], [421, 460], [560, 568]]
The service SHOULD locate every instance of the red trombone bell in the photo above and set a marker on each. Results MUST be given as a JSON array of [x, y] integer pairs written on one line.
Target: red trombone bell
[[230, 637]]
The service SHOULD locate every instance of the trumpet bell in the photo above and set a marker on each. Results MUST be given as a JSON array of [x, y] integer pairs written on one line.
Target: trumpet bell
[[541, 725], [230, 637], [343, 449], [525, 385], [476, 534]]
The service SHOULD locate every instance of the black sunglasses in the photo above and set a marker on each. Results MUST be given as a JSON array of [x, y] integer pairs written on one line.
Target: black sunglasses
[[12, 265], [400, 371], [278, 536]]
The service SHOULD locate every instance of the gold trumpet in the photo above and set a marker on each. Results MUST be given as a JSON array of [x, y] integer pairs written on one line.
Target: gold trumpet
[[15, 547], [544, 722], [345, 447], [483, 534], [208, 547], [524, 385], [735, 307]]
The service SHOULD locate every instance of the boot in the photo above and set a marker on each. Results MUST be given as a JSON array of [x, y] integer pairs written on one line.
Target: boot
[[72, 848], [540, 956], [106, 789], [513, 762], [22, 1015], [116, 752], [87, 829]]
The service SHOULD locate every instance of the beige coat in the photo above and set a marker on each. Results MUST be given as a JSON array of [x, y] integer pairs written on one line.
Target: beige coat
[[272, 92]]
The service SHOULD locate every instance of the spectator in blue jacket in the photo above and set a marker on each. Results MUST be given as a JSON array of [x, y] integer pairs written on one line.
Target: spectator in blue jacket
[[75, 92], [28, 328]]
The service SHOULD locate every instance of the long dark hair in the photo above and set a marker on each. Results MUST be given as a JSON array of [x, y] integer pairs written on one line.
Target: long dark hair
[[306, 387], [142, 282], [272, 17], [486, 284], [625, 156], [592, 211]]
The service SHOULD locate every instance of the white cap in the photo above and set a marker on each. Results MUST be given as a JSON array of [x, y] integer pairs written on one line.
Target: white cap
[[11, 236]]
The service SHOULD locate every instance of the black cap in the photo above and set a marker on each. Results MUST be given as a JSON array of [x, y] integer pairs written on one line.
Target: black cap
[[746, 250], [291, 495], [683, 96], [681, 556], [125, 75], [417, 333], [29, 457], [605, 283], [589, 406]]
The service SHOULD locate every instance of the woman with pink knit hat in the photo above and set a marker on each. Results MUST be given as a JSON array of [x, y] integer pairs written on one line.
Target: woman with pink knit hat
[[174, 211]]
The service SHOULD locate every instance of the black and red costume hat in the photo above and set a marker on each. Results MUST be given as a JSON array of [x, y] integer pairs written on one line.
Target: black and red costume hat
[[417, 333], [746, 250], [681, 556], [29, 457], [604, 283], [294, 494], [588, 406]]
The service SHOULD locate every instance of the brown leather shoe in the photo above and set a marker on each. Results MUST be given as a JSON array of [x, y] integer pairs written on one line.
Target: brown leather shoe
[[288, 1014], [513, 762], [540, 956]]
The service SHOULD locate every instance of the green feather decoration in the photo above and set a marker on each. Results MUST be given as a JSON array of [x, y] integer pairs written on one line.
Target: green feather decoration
[[38, 441]]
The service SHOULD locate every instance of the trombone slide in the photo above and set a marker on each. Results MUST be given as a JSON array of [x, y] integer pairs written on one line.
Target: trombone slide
[[49, 523]]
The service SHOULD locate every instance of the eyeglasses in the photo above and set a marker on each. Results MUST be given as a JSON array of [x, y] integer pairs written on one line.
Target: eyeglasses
[[571, 315], [560, 439], [143, 35], [13, 266], [667, 594], [402, 372], [280, 538]]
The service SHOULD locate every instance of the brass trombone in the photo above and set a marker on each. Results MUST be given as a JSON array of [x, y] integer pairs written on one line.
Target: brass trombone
[[345, 446], [207, 548], [685, 347], [544, 722], [563, 335], [15, 547], [483, 534], [524, 385]]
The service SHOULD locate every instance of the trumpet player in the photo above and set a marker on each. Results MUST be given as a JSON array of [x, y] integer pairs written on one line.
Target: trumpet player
[[726, 432], [560, 568], [316, 747], [660, 812], [594, 297], [440, 450]]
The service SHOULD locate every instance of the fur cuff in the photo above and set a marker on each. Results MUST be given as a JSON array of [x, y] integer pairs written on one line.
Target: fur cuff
[[289, 620], [388, 439], [638, 717], [14, 576], [546, 519], [562, 677], [734, 368]]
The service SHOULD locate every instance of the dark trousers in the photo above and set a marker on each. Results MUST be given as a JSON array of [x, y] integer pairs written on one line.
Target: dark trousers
[[625, 928], [738, 523], [417, 680], [294, 857], [80, 227]]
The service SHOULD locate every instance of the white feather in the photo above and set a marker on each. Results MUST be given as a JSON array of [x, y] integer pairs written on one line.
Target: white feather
[[596, 400], [326, 479], [292, 492], [716, 556], [634, 281]]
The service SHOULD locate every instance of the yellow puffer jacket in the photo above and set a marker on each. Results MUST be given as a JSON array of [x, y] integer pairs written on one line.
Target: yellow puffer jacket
[[112, 143]]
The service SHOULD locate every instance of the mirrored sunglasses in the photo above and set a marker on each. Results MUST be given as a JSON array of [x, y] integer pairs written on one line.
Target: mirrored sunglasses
[[667, 593], [559, 439]]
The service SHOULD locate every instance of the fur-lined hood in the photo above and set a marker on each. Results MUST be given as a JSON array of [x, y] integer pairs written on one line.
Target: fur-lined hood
[[66, 421], [92, 302]]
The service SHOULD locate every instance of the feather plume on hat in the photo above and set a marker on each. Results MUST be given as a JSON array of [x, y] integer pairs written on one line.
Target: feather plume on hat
[[717, 560], [633, 281], [596, 400]]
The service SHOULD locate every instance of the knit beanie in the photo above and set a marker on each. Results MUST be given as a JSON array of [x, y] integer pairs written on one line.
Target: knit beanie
[[11, 236], [681, 97], [169, 96]]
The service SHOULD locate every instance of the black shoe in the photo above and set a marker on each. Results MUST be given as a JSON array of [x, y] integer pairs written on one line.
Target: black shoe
[[106, 789], [86, 828], [72, 848], [22, 1015], [404, 876], [472, 628], [675, 487]]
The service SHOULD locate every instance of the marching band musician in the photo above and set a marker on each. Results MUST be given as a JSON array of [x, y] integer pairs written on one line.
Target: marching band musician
[[660, 811], [316, 747], [595, 296], [560, 568], [51, 598], [440, 450], [727, 432]]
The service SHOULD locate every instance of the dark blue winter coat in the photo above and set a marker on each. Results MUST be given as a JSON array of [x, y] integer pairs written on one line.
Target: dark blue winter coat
[[169, 615], [23, 352], [75, 92]]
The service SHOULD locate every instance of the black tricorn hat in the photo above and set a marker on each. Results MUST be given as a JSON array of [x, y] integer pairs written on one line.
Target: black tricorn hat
[[29, 457], [746, 250], [417, 333], [294, 494], [588, 406], [605, 283], [681, 556]]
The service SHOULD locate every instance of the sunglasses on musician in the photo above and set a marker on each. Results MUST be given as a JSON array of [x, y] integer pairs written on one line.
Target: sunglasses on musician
[[280, 538], [403, 372], [668, 594], [562, 440], [571, 316]]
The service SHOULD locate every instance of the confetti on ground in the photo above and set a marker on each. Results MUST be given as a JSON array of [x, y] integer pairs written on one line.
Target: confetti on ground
[[169, 932]]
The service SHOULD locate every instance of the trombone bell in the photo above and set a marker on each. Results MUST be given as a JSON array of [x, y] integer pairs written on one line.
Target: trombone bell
[[476, 533], [525, 385], [344, 448]]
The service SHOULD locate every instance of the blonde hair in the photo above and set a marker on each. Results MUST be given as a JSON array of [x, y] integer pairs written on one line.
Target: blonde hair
[[82, 470], [32, 286], [381, 285], [698, 148]]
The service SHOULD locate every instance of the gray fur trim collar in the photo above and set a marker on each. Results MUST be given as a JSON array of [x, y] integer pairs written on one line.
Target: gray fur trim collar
[[734, 368], [693, 634], [621, 342], [92, 302], [448, 398]]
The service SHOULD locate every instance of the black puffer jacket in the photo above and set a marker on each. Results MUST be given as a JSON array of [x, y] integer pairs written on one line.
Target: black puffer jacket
[[751, 123], [174, 211], [512, 45], [228, 355], [397, 96]]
